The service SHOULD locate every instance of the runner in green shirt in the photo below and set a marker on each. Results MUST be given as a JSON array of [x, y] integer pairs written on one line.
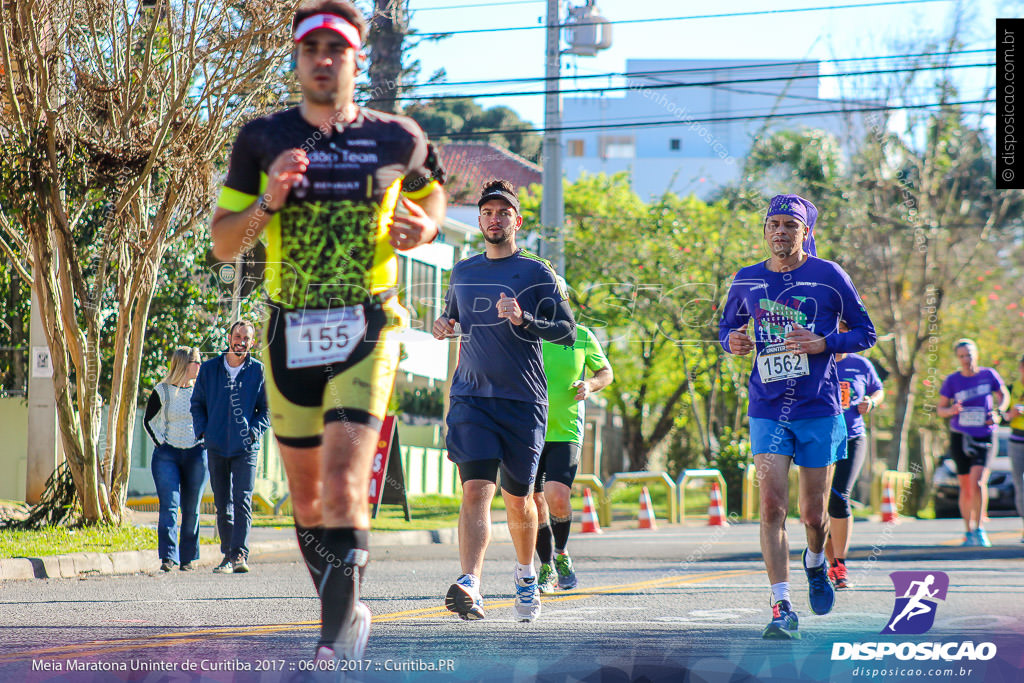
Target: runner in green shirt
[[568, 388]]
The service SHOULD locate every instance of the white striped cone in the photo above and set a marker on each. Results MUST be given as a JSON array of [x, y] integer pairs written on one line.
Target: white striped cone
[[646, 511], [889, 513], [716, 516], [590, 523]]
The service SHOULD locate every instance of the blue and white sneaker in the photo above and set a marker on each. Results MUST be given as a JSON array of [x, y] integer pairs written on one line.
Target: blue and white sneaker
[[784, 623], [526, 606], [981, 538], [969, 540], [464, 599], [820, 592]]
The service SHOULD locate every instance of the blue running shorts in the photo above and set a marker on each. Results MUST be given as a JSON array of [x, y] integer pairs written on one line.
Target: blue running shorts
[[497, 428], [814, 442]]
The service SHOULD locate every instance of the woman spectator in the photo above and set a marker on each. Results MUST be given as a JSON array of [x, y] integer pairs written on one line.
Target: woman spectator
[[972, 399], [179, 461], [1016, 418]]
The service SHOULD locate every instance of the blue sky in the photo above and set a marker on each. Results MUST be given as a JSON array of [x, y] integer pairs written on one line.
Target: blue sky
[[823, 34]]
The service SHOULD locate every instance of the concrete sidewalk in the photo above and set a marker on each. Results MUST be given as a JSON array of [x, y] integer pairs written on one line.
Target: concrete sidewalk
[[261, 540]]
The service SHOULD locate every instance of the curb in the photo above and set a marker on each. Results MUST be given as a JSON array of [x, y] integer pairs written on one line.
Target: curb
[[81, 565]]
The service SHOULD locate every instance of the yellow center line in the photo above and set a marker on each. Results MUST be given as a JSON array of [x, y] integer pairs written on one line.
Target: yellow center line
[[98, 647]]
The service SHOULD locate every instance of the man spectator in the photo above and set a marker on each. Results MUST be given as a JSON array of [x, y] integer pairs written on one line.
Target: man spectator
[[229, 411]]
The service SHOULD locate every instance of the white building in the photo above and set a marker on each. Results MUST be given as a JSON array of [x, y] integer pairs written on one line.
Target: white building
[[691, 152]]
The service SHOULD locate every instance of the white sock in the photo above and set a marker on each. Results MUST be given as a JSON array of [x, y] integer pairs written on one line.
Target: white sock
[[525, 571], [473, 578], [813, 560], [780, 591]]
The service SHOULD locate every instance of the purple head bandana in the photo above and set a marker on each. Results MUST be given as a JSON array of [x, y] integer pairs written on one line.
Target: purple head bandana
[[800, 209]]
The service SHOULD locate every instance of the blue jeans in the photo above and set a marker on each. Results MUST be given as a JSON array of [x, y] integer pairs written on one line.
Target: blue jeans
[[180, 477], [232, 480]]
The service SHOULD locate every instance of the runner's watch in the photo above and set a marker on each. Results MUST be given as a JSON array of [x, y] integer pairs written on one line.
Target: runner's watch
[[264, 207]]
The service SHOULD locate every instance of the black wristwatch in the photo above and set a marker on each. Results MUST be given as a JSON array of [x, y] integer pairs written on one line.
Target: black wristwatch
[[265, 208]]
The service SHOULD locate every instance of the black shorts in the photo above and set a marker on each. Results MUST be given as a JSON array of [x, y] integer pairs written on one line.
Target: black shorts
[[970, 451], [496, 430], [558, 462], [303, 399]]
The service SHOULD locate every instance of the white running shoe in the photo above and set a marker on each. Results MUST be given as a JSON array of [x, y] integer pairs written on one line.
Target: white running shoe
[[464, 599], [527, 603], [352, 644]]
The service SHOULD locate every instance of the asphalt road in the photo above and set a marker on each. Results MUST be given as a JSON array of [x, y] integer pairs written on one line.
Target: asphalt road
[[680, 604]]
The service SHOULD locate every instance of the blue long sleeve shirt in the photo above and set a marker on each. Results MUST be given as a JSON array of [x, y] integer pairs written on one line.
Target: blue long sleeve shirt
[[816, 296], [230, 415], [498, 359]]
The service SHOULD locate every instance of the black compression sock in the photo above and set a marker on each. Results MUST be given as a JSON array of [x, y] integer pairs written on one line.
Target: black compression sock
[[311, 544], [544, 539], [346, 559], [560, 529]]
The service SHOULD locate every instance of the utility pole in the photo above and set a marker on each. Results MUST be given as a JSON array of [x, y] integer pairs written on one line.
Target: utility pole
[[552, 208], [588, 34]]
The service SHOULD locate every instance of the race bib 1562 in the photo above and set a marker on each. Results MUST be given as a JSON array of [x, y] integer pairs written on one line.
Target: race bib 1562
[[782, 365]]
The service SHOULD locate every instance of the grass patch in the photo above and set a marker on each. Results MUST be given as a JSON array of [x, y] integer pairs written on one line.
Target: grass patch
[[61, 540]]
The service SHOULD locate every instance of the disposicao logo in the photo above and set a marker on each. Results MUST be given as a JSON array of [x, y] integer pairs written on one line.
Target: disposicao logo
[[916, 595]]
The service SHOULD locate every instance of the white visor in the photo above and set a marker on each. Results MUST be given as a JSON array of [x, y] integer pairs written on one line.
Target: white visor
[[328, 21]]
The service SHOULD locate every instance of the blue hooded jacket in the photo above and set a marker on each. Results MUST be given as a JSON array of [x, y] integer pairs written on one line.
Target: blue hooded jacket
[[230, 416]]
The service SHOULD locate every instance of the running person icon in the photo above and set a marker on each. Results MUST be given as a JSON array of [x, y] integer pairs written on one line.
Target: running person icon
[[916, 607], [506, 301], [568, 388], [794, 302], [322, 182]]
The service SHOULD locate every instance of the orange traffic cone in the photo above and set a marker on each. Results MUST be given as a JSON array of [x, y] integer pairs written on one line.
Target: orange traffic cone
[[716, 516], [646, 511], [889, 513], [590, 523]]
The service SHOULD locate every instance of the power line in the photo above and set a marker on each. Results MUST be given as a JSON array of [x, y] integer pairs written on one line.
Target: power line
[[725, 15], [721, 119], [694, 84], [661, 72], [489, 4]]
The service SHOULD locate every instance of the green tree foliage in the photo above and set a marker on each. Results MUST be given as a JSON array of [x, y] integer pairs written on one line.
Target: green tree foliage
[[649, 279], [444, 120]]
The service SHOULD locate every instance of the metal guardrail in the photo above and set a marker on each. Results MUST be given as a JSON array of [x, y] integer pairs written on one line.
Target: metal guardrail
[[649, 477], [604, 507], [206, 506], [751, 499], [689, 475]]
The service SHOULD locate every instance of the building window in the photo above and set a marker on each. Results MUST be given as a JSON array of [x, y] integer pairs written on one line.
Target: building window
[[421, 295], [575, 148], [675, 144], [618, 147]]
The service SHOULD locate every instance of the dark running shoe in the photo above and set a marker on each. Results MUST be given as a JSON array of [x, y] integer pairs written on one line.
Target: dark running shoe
[[167, 565], [820, 592], [837, 575], [784, 623], [225, 566]]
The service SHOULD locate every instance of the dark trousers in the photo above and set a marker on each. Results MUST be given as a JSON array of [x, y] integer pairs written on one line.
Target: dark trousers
[[180, 477], [232, 481]]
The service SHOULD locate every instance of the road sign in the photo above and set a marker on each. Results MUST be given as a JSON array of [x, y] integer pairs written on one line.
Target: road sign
[[387, 480]]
